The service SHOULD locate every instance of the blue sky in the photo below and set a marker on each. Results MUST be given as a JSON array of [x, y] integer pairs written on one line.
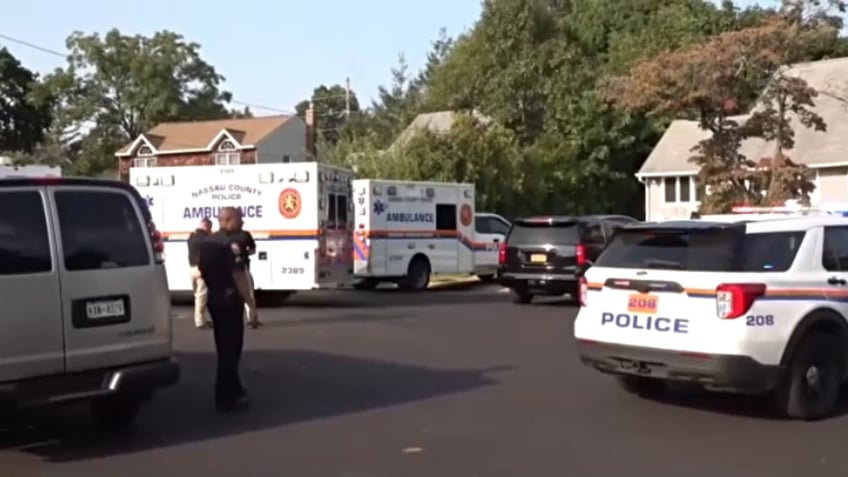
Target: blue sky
[[272, 53]]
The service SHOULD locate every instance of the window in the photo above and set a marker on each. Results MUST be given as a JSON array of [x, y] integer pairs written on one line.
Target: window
[[562, 233], [593, 234], [114, 237], [286, 158], [481, 225], [681, 190], [24, 241], [227, 159], [835, 249], [707, 250], [341, 212], [227, 146], [144, 162], [498, 226], [331, 211], [446, 217]]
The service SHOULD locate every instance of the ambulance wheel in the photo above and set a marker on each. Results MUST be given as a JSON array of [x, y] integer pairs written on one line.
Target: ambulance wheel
[[646, 387], [366, 284], [417, 275], [810, 388]]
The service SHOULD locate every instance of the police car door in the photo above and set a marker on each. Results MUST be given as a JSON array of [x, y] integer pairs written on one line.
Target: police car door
[[490, 232]]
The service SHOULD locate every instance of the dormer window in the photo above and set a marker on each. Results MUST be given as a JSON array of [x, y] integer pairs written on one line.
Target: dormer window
[[227, 154], [144, 157]]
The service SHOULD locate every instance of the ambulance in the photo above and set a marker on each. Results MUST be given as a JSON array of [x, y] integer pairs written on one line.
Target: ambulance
[[407, 231], [298, 213], [8, 171]]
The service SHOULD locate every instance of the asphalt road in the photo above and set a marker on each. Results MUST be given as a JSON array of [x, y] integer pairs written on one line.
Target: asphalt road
[[449, 383]]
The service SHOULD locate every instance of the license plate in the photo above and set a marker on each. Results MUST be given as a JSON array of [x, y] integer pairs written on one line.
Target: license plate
[[538, 258], [104, 309], [642, 303]]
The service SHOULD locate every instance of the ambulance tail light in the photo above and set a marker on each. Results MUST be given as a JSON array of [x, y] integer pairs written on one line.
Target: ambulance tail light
[[584, 292], [502, 254], [735, 299], [158, 243], [580, 253]]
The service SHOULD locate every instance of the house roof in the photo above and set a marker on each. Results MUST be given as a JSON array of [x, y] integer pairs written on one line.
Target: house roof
[[437, 122], [813, 148], [198, 135]]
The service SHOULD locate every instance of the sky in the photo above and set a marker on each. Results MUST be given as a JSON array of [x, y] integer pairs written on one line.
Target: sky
[[272, 53]]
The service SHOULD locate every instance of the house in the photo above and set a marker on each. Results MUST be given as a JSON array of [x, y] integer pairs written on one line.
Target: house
[[437, 122], [222, 142], [671, 191]]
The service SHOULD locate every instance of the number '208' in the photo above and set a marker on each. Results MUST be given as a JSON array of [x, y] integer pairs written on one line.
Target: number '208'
[[759, 320]]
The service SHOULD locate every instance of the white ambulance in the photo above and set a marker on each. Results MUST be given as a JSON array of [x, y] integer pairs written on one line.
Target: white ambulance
[[8, 171], [299, 215], [407, 231]]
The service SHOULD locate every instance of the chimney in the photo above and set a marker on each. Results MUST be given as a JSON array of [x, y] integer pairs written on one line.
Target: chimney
[[311, 132]]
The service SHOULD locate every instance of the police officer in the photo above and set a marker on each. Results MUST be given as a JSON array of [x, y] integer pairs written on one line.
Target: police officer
[[197, 285], [221, 264], [248, 247]]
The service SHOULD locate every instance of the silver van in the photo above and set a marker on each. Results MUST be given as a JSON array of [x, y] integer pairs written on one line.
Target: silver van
[[85, 307]]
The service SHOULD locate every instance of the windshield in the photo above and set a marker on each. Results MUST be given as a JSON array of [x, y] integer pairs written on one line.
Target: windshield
[[715, 250], [564, 233]]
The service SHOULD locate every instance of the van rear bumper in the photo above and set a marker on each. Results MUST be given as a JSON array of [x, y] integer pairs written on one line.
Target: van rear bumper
[[140, 379], [734, 373]]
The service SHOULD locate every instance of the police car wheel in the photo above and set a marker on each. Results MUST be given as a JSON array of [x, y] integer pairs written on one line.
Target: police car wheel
[[810, 388], [641, 386], [520, 296]]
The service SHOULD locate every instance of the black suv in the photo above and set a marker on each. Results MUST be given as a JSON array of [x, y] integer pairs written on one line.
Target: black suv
[[546, 255]]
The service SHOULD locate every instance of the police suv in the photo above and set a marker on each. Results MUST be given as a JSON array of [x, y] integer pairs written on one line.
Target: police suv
[[748, 304]]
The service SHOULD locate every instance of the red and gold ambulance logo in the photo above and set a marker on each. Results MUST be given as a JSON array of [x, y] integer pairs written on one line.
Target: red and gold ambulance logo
[[289, 203], [465, 215]]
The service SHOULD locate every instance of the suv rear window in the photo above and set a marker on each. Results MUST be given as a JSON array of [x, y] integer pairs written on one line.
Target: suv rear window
[[100, 229], [714, 250], [542, 233]]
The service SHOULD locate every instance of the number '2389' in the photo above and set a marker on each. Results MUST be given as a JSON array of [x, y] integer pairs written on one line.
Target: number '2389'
[[293, 270], [759, 320]]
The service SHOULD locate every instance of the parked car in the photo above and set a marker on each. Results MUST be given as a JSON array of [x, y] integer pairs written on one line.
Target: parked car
[[547, 255], [86, 310]]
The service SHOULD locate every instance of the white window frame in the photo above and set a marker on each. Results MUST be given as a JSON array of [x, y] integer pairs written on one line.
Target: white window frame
[[227, 159], [677, 180], [144, 157]]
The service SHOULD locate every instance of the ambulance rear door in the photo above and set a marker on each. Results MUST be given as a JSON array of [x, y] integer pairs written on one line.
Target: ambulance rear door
[[336, 241]]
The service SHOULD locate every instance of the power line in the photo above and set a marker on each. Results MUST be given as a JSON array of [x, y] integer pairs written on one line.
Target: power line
[[232, 101]]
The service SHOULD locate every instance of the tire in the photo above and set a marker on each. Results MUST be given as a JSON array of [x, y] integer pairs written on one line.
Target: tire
[[520, 297], [417, 275], [116, 411], [486, 278], [366, 284], [272, 298], [644, 387], [811, 385]]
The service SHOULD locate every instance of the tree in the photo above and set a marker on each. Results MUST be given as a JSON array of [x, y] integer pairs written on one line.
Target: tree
[[123, 85], [333, 107], [22, 122], [713, 81]]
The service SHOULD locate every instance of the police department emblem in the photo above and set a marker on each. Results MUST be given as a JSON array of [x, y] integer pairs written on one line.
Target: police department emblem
[[289, 203]]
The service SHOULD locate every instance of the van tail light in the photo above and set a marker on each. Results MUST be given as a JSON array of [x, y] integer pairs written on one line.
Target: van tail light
[[502, 254], [158, 242], [584, 292], [580, 253], [735, 299]]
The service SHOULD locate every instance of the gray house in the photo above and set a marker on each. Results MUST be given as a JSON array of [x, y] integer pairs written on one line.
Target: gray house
[[671, 191]]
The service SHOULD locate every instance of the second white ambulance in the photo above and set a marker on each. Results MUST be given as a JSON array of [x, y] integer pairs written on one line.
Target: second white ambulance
[[406, 231], [299, 214]]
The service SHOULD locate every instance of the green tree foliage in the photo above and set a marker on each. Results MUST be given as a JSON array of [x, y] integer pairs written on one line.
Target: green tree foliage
[[116, 86], [22, 122], [334, 107]]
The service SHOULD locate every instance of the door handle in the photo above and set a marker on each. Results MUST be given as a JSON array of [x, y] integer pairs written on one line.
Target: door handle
[[836, 281], [431, 246]]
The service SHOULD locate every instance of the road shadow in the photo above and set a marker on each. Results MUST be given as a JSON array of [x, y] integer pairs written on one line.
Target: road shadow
[[345, 298], [285, 386], [758, 407]]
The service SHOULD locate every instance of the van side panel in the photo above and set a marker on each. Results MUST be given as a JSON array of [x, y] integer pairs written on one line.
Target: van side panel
[[31, 338], [142, 333]]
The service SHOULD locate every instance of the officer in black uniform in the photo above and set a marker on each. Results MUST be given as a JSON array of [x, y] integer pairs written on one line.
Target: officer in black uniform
[[221, 264]]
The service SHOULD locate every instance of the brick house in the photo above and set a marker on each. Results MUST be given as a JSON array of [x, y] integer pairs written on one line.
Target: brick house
[[222, 142]]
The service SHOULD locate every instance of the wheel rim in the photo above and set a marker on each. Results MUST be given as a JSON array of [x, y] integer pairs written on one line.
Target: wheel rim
[[815, 381]]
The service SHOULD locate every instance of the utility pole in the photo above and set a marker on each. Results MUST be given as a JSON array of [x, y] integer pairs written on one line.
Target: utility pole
[[347, 98]]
